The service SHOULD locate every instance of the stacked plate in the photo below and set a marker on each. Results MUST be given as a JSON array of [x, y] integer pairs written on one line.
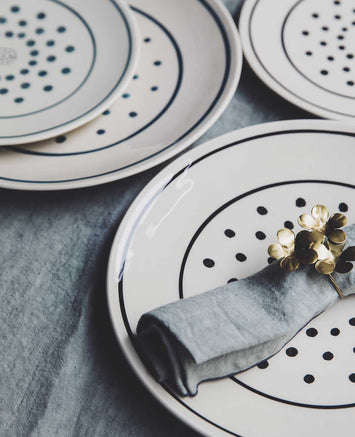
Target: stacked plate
[[95, 91]]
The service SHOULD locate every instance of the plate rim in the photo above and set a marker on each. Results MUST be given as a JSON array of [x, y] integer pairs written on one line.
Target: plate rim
[[267, 79], [190, 418], [81, 120], [176, 147]]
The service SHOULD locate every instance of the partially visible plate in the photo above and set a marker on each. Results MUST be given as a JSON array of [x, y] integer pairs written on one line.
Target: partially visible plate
[[207, 219], [189, 66], [305, 51], [62, 63]]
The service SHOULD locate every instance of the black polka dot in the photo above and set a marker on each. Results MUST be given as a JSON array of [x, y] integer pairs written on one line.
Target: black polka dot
[[41, 15], [309, 53], [261, 210], [229, 233], [330, 58], [232, 280], [349, 56], [324, 72], [51, 58], [208, 262], [4, 90], [354, 350], [42, 73], [15, 9], [343, 207], [107, 112], [9, 34], [315, 15], [325, 28], [34, 53], [157, 63], [350, 83], [100, 131], [22, 23], [147, 40], [2, 20], [341, 37], [288, 224], [50, 43], [39, 31], [323, 43], [305, 33], [263, 365], [311, 332], [352, 377], [135, 77], [308, 379], [133, 114], [346, 69], [270, 260], [25, 85], [125, 95], [10, 77], [334, 332], [241, 257], [341, 47], [66, 70], [300, 202], [337, 17], [154, 88], [48, 88], [260, 235], [61, 29], [18, 100], [352, 321], [337, 2], [291, 351], [60, 139], [70, 49], [344, 29], [24, 71], [328, 356]]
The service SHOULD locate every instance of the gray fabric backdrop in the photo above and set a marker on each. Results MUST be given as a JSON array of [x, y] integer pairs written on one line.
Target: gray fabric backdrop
[[61, 371]]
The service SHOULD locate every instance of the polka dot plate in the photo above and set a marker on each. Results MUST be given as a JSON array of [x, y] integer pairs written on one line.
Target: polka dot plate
[[62, 63], [206, 220], [182, 84], [305, 51]]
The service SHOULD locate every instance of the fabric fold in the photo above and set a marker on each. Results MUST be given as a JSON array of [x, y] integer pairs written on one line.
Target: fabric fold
[[234, 327]]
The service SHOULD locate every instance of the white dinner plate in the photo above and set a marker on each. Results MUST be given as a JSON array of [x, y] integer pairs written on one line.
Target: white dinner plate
[[305, 51], [208, 219], [62, 63], [189, 66]]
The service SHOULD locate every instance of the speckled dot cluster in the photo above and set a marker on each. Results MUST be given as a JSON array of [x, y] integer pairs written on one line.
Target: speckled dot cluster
[[30, 32]]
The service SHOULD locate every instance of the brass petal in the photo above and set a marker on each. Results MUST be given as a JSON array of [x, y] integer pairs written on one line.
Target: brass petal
[[324, 267], [317, 237], [322, 252], [336, 249], [304, 239], [343, 267], [337, 220], [307, 221], [289, 264], [349, 254], [276, 251], [337, 236], [308, 256], [320, 212], [286, 237]]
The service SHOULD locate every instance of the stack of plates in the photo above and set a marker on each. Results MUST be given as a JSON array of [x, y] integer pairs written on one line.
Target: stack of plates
[[95, 91]]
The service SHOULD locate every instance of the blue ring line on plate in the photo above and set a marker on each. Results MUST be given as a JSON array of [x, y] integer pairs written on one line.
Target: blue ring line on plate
[[221, 90], [103, 100], [167, 106], [274, 78], [148, 204], [84, 80], [291, 62], [187, 253]]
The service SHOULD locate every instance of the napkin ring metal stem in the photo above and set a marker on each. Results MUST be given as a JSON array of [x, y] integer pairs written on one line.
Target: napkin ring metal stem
[[336, 286], [321, 243]]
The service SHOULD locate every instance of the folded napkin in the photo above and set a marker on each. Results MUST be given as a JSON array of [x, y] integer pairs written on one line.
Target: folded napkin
[[236, 326]]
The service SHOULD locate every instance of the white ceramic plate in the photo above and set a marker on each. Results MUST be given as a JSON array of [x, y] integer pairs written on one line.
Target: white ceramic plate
[[305, 51], [224, 201], [62, 63], [183, 82]]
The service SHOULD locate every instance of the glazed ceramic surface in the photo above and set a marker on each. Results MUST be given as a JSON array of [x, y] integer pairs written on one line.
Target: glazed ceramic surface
[[183, 82], [206, 220], [305, 51], [61, 64]]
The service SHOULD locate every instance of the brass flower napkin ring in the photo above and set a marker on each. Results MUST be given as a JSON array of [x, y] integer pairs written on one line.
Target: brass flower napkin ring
[[322, 243]]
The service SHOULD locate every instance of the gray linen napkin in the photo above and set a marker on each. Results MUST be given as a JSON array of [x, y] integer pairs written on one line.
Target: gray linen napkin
[[234, 327]]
